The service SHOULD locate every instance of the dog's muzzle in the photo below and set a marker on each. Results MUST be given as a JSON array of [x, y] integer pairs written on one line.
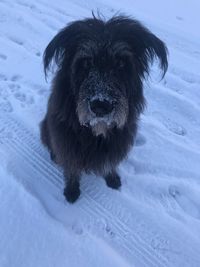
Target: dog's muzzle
[[102, 113]]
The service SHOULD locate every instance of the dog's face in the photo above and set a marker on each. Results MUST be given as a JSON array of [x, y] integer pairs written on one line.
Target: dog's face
[[103, 70], [105, 63]]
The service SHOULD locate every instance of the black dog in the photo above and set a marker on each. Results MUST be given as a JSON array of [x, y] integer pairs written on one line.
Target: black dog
[[97, 95]]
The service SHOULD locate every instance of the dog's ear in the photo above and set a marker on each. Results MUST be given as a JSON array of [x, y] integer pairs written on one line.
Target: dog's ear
[[145, 45], [149, 48], [62, 46], [54, 51]]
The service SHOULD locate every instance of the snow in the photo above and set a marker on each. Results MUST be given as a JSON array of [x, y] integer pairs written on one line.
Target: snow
[[155, 219]]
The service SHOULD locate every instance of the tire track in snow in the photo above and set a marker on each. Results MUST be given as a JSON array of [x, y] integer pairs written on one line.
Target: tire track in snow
[[126, 241], [47, 16]]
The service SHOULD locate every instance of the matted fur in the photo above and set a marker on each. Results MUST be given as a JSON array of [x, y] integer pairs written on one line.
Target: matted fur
[[97, 59]]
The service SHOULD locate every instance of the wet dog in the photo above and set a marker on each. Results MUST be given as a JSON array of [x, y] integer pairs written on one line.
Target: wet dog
[[97, 95]]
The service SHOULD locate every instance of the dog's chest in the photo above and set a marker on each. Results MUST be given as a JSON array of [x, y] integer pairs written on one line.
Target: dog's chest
[[99, 155]]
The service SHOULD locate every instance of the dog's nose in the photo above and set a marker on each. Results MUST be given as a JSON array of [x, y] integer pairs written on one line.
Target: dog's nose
[[101, 107]]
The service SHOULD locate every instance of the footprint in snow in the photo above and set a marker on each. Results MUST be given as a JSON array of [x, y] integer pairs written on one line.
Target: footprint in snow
[[186, 200], [3, 93], [14, 87], [175, 127], [22, 97], [179, 18], [5, 106], [140, 140], [77, 229], [3, 57], [15, 78], [38, 54], [110, 232], [171, 125], [3, 78], [16, 41]]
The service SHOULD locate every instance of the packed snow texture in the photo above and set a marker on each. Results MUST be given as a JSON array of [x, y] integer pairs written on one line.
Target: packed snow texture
[[154, 221]]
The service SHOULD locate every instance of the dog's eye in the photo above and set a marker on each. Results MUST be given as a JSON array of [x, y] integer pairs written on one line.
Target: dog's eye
[[121, 64], [86, 63]]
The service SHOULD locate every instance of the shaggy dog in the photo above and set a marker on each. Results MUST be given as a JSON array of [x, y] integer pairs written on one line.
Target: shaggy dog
[[97, 95]]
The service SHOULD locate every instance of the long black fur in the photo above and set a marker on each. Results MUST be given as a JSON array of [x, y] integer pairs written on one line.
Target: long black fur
[[73, 145]]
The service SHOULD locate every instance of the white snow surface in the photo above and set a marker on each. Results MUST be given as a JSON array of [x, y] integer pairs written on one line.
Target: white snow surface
[[154, 220]]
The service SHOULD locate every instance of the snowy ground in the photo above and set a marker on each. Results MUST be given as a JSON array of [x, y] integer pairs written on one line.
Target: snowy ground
[[155, 219]]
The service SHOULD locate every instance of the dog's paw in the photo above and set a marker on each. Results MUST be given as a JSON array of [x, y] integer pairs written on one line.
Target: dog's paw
[[113, 181], [72, 193]]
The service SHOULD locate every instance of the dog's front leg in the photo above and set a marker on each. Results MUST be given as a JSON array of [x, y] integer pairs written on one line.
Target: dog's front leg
[[113, 180], [72, 187]]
